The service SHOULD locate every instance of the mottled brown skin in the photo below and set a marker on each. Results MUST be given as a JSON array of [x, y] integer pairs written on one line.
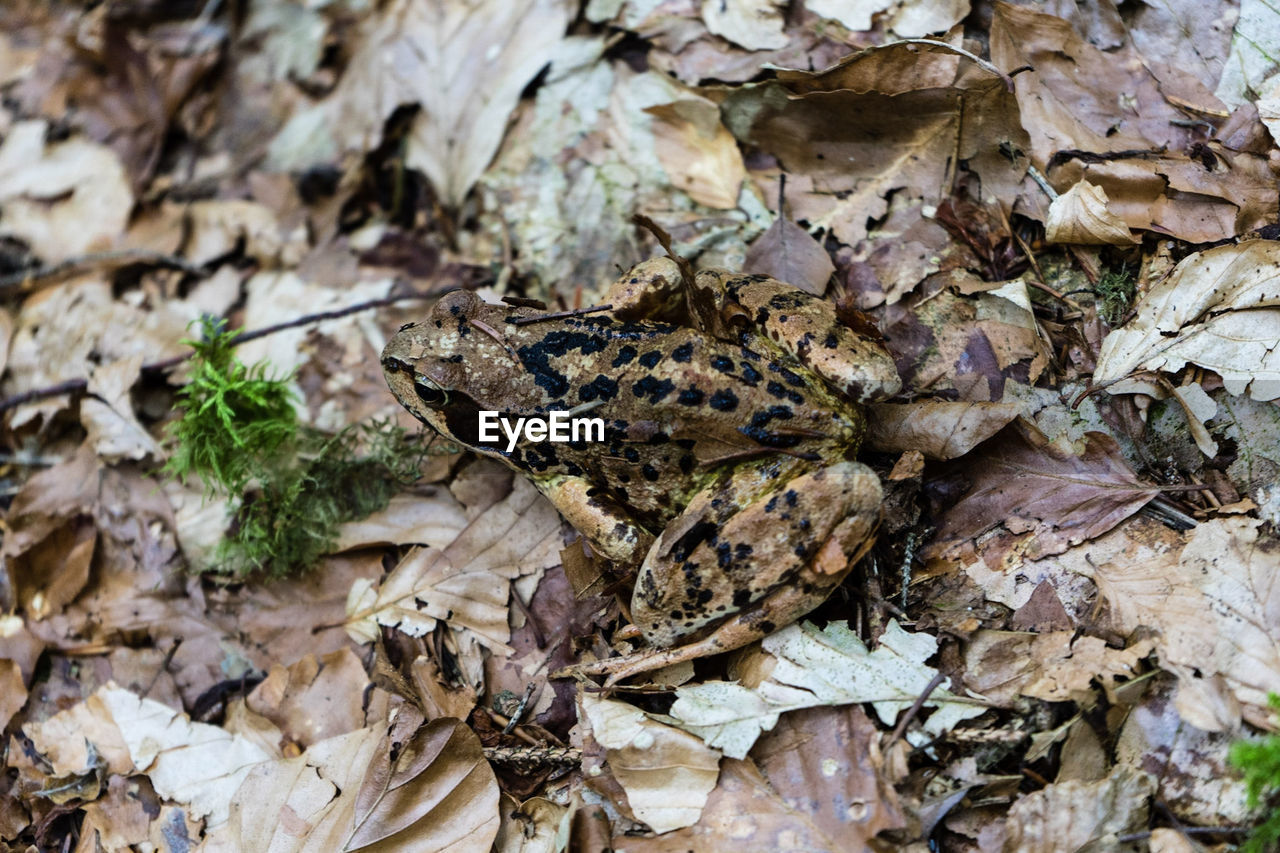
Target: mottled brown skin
[[730, 439]]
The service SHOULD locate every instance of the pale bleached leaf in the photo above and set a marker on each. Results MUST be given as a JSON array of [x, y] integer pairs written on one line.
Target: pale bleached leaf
[[466, 583], [827, 667], [194, 764], [667, 773], [62, 198], [1219, 309]]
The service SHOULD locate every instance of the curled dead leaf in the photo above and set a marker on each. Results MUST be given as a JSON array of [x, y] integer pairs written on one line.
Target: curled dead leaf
[[1080, 216]]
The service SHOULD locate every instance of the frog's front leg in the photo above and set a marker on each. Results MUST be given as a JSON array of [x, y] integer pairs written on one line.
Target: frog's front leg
[[607, 527], [853, 361], [778, 555]]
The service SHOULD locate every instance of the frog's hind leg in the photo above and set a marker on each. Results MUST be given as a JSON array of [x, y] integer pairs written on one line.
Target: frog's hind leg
[[836, 508], [806, 326]]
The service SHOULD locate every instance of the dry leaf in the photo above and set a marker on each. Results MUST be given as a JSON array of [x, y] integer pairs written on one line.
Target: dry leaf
[[463, 62], [1022, 481], [788, 253], [314, 699], [1057, 666], [194, 764], [107, 413], [62, 198], [304, 804], [1080, 216], [1068, 816], [666, 773], [753, 24], [1196, 778], [408, 519], [433, 791], [826, 763], [698, 152], [1214, 603], [827, 667], [467, 583], [1219, 309], [938, 429]]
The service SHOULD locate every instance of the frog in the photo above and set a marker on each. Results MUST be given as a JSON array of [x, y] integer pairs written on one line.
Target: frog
[[726, 476]]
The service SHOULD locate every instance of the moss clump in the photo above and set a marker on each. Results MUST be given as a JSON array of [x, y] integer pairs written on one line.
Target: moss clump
[[1259, 760], [1116, 290], [291, 486]]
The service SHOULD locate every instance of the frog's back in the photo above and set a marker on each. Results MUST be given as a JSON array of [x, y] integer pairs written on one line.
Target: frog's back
[[678, 408]]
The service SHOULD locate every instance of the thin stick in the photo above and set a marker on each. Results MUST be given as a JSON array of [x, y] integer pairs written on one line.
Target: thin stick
[[976, 60], [72, 386], [560, 315], [26, 280]]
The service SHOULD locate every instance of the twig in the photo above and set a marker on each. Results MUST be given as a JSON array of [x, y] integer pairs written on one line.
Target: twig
[[25, 280], [976, 60], [72, 386], [915, 707], [560, 315]]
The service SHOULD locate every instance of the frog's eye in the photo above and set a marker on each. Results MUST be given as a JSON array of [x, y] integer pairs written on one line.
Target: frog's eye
[[429, 392]]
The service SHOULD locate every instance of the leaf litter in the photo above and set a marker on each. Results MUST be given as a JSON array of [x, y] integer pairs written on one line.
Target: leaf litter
[[1062, 220]]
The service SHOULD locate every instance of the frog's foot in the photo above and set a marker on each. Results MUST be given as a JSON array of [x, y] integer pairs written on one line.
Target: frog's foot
[[848, 543]]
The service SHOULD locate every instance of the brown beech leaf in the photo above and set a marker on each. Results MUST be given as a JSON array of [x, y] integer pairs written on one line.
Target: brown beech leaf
[[827, 763], [1214, 602], [1021, 480], [313, 699], [789, 253], [1069, 815], [1080, 216], [938, 429], [698, 152], [435, 791]]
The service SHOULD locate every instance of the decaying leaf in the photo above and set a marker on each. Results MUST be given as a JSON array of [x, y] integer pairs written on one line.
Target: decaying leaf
[[698, 152], [1080, 216], [1021, 480], [314, 699], [936, 428], [464, 62], [788, 253], [434, 791], [108, 416], [467, 583], [1056, 666], [1219, 309], [1070, 815], [827, 667], [753, 24], [1214, 602], [666, 773], [63, 198], [197, 765], [836, 751]]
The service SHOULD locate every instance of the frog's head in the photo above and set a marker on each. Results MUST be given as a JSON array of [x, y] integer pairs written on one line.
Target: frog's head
[[436, 367]]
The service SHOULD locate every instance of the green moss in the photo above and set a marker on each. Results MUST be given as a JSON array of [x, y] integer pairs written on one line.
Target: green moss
[[1116, 289], [291, 486], [1259, 760]]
